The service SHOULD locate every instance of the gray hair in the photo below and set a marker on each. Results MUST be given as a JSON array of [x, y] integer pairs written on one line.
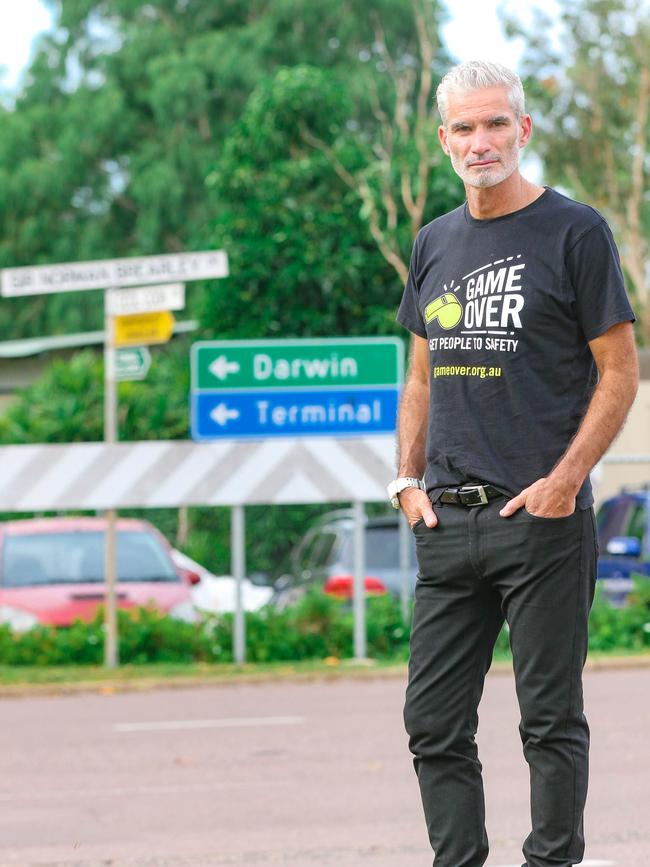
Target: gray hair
[[475, 75]]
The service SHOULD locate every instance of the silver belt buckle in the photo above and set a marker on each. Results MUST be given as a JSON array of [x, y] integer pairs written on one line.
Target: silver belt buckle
[[480, 490]]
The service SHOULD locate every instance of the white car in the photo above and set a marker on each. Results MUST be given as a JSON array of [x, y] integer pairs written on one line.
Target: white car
[[216, 593]]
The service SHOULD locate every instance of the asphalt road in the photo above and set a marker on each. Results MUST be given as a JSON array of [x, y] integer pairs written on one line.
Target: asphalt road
[[295, 774]]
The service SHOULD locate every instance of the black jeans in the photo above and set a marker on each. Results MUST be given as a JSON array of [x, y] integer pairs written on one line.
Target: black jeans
[[475, 570]]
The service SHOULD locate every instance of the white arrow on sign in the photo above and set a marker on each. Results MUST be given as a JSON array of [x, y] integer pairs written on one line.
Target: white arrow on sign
[[222, 415], [221, 367]]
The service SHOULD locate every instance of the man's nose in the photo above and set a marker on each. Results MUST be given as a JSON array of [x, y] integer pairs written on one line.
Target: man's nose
[[480, 142]]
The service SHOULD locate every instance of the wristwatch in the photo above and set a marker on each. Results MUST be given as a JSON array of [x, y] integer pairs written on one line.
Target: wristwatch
[[398, 485]]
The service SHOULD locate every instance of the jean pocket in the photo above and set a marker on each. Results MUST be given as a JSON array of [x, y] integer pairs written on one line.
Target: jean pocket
[[549, 520]]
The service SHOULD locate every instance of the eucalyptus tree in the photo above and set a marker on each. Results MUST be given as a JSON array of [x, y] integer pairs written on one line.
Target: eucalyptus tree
[[589, 79]]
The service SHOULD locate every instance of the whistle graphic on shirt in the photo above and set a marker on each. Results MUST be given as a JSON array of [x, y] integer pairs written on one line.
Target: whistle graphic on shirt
[[447, 309]]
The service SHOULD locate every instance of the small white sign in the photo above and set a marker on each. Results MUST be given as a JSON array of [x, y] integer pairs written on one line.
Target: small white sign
[[107, 273], [145, 299]]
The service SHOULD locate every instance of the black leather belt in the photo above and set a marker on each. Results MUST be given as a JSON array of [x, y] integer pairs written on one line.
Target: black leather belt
[[470, 495]]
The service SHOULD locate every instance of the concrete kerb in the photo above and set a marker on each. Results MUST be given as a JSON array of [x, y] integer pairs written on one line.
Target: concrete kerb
[[346, 669]]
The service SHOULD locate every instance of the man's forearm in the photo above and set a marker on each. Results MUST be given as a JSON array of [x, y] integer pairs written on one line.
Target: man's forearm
[[412, 429], [608, 409]]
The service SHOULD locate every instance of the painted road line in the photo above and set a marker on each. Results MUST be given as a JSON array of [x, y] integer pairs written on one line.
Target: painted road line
[[52, 795], [226, 723]]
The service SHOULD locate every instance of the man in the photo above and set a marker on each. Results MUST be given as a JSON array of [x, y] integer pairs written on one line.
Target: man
[[522, 370]]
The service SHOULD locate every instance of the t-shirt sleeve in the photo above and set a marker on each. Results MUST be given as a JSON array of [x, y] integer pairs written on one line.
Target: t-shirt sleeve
[[596, 282], [408, 313]]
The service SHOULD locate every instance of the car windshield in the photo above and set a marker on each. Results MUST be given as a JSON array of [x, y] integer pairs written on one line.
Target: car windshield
[[382, 549], [623, 517], [78, 557]]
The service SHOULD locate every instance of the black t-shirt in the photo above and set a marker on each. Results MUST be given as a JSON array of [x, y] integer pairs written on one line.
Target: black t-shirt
[[508, 306]]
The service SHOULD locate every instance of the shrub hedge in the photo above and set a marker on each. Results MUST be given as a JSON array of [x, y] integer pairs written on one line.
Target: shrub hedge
[[316, 628]]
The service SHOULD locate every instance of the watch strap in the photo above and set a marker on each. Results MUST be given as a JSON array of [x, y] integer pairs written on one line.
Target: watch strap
[[400, 484]]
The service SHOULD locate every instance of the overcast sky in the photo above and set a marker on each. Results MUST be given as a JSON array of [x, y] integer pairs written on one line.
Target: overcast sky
[[474, 31], [20, 22]]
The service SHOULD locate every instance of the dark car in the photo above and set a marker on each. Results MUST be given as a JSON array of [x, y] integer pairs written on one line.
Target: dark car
[[325, 555], [624, 540], [325, 558]]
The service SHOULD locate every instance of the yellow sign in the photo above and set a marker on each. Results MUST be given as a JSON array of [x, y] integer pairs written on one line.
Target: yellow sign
[[140, 329]]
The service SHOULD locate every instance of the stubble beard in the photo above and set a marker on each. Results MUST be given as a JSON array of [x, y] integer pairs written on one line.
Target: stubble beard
[[486, 176]]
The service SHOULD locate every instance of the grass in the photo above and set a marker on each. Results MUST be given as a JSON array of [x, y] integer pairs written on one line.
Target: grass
[[25, 679], [146, 675]]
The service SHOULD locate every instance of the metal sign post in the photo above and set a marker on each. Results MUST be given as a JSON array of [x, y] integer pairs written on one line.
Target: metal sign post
[[124, 329], [238, 554], [359, 601], [111, 649]]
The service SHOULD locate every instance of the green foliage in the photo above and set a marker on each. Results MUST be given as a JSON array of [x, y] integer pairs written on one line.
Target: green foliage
[[144, 635], [158, 407], [590, 94], [318, 627], [66, 404], [45, 645], [386, 632], [625, 628], [124, 118], [147, 636], [312, 629], [303, 261]]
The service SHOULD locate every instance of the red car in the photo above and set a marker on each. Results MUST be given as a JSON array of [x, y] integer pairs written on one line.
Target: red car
[[52, 571]]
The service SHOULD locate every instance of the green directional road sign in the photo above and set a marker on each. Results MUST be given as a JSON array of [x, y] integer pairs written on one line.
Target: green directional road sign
[[270, 364], [313, 387], [132, 363]]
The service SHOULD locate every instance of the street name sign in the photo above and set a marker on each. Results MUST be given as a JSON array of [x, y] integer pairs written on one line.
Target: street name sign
[[107, 273], [145, 299], [132, 363], [142, 329], [270, 388]]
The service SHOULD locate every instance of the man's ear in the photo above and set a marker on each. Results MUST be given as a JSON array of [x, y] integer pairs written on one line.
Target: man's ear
[[442, 138], [525, 130]]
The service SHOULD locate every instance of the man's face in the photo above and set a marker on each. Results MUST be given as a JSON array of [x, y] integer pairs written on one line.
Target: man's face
[[483, 136]]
